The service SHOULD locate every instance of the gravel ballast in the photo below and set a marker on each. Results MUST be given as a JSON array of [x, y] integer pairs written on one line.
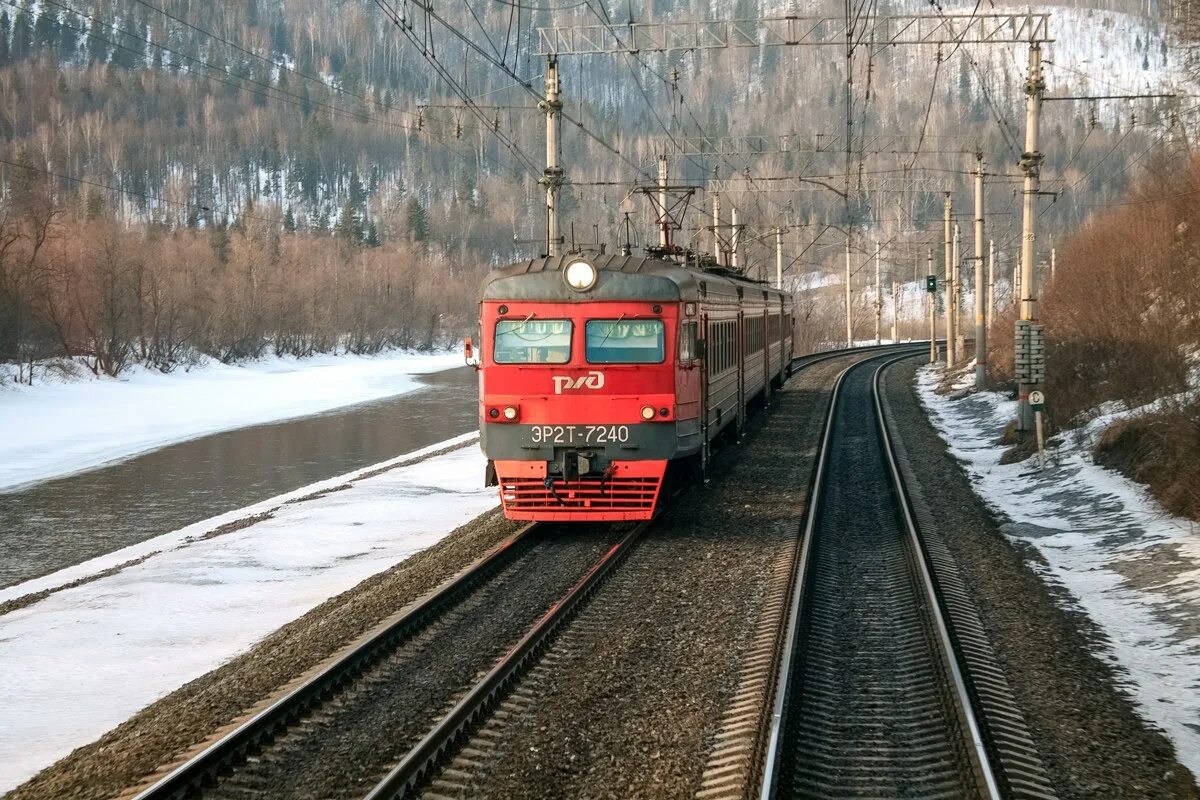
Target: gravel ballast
[[163, 732], [1092, 741], [640, 680]]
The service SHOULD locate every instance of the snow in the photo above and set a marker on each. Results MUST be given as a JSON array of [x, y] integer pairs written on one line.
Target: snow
[[1131, 566], [68, 661], [55, 429]]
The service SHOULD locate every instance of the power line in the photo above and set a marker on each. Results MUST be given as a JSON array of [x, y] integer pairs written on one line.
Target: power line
[[431, 59]]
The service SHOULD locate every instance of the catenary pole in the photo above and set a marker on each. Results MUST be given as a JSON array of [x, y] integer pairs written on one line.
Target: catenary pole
[[1031, 162], [664, 220], [956, 286], [849, 323], [716, 227], [949, 285], [980, 307], [895, 307], [552, 176], [779, 258], [736, 237], [991, 301], [931, 298], [878, 297]]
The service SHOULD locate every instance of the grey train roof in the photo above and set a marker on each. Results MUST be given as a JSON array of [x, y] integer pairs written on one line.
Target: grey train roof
[[619, 278]]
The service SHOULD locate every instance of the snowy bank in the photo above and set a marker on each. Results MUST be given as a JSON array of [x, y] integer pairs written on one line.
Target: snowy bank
[[84, 658], [54, 429], [1132, 567]]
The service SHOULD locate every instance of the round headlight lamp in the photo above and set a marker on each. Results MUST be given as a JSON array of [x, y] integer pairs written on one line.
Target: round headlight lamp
[[580, 275], [510, 413], [647, 412]]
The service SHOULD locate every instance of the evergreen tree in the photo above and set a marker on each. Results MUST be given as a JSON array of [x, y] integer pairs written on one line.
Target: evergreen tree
[[45, 30], [349, 225], [22, 36], [418, 221], [373, 239], [97, 46], [5, 27], [289, 220], [68, 37]]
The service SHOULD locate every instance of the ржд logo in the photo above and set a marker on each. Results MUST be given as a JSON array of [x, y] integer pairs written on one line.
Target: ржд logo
[[593, 380]]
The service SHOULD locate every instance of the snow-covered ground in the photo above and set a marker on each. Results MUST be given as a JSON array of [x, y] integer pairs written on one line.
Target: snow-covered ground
[[84, 659], [54, 429], [1134, 568]]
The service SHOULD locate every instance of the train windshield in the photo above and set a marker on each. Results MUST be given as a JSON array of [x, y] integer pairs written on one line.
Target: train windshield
[[532, 341], [630, 341]]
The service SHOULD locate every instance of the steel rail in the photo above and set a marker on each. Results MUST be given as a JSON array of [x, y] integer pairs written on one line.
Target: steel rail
[[424, 756], [787, 646], [191, 776], [977, 750], [964, 704], [203, 768], [481, 697]]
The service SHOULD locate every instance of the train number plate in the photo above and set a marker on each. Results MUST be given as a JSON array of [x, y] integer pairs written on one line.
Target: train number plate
[[579, 434]]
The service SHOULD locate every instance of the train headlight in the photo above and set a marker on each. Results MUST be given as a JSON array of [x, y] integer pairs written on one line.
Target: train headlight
[[647, 412], [580, 275], [510, 413]]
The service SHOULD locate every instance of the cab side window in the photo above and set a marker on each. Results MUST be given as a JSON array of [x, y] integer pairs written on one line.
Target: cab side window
[[687, 341]]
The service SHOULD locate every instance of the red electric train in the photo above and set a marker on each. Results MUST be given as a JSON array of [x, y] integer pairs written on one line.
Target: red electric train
[[597, 372]]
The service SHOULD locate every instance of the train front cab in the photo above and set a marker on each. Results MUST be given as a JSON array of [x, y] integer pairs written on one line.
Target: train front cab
[[584, 403]]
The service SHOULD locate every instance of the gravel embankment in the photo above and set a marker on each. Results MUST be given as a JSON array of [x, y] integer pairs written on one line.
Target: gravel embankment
[[1091, 739], [163, 732], [641, 678], [349, 744]]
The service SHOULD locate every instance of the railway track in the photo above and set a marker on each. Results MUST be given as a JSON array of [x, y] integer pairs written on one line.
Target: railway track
[[886, 685], [396, 680]]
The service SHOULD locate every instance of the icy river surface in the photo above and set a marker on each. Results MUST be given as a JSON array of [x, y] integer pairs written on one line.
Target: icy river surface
[[62, 522]]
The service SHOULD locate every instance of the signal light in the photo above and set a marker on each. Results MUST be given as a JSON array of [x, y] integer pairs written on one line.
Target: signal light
[[931, 283]]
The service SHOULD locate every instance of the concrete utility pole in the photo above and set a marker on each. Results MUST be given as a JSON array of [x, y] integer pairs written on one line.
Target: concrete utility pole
[[980, 307], [849, 323], [552, 176], [949, 285], [991, 303], [1028, 378], [895, 306], [931, 298], [878, 297], [664, 219], [779, 258], [957, 287], [716, 228], [1053, 253], [733, 257]]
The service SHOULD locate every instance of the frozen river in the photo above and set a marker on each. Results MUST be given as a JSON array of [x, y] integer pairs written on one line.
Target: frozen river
[[68, 520]]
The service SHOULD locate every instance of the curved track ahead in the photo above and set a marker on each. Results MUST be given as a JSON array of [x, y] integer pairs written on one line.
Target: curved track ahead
[[874, 696], [284, 741]]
